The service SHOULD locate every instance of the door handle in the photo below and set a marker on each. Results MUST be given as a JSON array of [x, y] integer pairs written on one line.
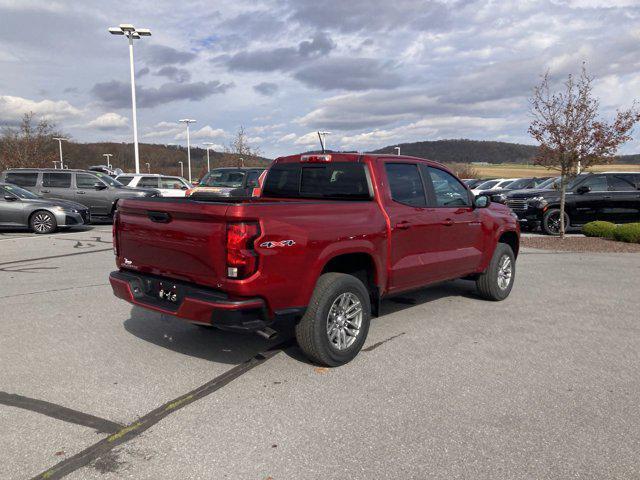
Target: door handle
[[403, 225], [448, 222], [45, 191], [607, 197], [80, 192]]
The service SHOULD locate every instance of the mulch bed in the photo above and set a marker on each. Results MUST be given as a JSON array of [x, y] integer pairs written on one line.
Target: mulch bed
[[578, 244]]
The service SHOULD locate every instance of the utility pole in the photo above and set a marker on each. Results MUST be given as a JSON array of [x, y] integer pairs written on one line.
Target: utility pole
[[188, 121], [323, 136], [108, 155], [208, 145], [132, 34], [60, 139]]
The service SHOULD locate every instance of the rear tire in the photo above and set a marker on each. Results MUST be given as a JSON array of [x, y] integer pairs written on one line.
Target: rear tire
[[43, 222], [551, 222], [497, 280], [336, 322]]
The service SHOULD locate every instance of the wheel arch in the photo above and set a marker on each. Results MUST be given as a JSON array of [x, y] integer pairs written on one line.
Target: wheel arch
[[361, 265], [512, 239]]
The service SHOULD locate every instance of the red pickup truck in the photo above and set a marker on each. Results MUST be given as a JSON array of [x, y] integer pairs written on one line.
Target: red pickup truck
[[331, 235]]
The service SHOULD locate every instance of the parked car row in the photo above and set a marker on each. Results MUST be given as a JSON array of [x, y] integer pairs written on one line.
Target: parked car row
[[608, 196], [45, 199]]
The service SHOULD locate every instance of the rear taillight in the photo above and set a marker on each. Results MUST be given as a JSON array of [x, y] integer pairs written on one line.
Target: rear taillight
[[242, 260], [114, 232]]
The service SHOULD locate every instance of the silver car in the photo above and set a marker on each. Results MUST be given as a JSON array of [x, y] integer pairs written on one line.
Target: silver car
[[21, 208]]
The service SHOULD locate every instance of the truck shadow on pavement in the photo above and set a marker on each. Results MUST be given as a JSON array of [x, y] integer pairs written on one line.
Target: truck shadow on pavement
[[181, 337], [233, 348]]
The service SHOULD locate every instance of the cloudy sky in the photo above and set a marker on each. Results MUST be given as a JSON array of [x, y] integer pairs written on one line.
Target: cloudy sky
[[372, 72]]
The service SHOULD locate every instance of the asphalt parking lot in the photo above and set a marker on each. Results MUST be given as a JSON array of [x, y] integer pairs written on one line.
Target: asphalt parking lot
[[542, 385]]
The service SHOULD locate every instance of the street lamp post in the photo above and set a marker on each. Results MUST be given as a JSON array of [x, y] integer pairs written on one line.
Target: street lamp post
[[60, 139], [132, 34], [208, 146], [181, 169], [188, 121], [108, 156], [397, 150]]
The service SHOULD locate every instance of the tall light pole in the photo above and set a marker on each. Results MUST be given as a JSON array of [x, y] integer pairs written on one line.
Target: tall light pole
[[397, 150], [108, 155], [181, 169], [60, 139], [132, 34], [188, 121], [208, 145], [323, 136]]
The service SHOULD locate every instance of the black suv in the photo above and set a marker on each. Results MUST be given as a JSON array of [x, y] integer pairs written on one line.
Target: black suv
[[610, 196], [97, 191]]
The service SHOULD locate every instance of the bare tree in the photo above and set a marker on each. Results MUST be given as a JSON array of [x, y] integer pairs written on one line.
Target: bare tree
[[239, 147], [31, 144], [566, 125]]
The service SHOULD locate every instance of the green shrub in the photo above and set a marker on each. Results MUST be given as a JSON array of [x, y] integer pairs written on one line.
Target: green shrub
[[599, 229], [629, 232]]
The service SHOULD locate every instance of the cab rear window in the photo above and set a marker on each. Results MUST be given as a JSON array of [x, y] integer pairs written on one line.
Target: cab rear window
[[339, 180]]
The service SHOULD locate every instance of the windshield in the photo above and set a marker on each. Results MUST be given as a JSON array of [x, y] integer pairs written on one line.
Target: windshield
[[20, 192], [487, 185], [223, 178], [108, 180], [518, 184]]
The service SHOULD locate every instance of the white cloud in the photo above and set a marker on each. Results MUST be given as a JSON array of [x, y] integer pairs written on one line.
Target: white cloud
[[109, 121], [288, 137], [12, 109], [204, 133], [308, 139]]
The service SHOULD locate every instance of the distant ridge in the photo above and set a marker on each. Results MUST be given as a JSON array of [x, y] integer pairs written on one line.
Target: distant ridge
[[467, 151]]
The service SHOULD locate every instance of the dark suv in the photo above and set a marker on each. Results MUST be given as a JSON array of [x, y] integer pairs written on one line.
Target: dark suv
[[610, 196], [95, 190]]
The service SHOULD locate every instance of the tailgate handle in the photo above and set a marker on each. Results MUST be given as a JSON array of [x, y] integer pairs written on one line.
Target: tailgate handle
[[159, 217]]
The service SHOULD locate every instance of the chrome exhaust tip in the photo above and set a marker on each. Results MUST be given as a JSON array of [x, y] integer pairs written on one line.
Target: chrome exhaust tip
[[268, 333]]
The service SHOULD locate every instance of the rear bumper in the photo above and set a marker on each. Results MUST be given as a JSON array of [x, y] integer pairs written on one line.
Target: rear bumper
[[195, 304]]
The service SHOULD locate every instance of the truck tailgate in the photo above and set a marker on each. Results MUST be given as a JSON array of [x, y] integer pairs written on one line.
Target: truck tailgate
[[181, 239]]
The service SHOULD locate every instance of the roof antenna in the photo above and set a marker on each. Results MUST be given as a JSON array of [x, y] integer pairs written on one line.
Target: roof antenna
[[321, 136]]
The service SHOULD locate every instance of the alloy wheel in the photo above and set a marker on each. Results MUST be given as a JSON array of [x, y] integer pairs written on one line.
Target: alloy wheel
[[344, 321]]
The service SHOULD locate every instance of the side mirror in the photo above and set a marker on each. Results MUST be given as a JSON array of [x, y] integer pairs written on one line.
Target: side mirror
[[184, 187], [99, 186], [481, 201], [583, 189], [10, 198]]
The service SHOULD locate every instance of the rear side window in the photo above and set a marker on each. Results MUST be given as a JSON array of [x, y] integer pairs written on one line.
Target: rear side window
[[125, 180], [56, 180], [405, 184], [622, 183], [22, 179], [148, 182], [170, 183], [335, 180]]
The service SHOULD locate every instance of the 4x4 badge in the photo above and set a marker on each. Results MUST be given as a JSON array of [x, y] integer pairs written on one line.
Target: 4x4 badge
[[283, 243]]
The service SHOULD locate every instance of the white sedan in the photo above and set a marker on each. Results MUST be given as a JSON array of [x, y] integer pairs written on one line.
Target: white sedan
[[493, 185], [167, 185]]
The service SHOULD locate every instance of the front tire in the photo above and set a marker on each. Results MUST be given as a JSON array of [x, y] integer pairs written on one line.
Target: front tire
[[551, 222], [336, 323], [43, 222], [497, 280]]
